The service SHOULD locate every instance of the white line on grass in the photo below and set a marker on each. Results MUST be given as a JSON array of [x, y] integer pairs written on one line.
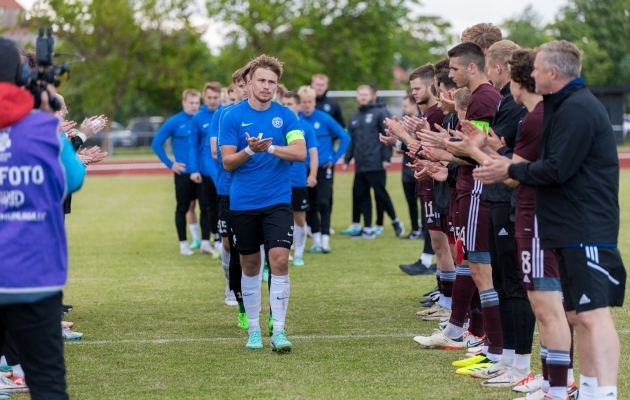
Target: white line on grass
[[228, 339]]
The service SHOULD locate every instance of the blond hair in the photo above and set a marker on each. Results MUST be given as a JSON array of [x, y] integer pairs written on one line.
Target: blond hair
[[190, 92], [462, 98], [265, 62], [499, 53], [319, 76], [306, 92], [484, 35]]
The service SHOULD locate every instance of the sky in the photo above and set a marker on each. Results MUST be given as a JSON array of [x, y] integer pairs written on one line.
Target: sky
[[458, 12]]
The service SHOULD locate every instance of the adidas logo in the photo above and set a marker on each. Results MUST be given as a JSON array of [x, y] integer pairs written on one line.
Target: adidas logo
[[503, 232], [584, 299], [526, 279]]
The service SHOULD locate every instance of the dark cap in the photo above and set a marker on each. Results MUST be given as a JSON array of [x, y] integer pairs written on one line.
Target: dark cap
[[10, 62]]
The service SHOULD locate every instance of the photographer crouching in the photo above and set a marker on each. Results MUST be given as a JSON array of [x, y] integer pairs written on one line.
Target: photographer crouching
[[38, 169]]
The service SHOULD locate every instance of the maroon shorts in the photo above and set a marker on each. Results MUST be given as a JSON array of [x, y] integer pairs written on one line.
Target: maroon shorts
[[447, 227], [472, 219], [539, 268], [433, 219]]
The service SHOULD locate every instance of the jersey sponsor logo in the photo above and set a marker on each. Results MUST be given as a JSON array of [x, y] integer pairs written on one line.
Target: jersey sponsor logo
[[11, 198], [5, 142], [327, 107], [205, 125], [368, 118], [277, 122], [22, 175], [584, 299], [354, 122], [182, 126], [316, 125], [244, 124], [503, 232]]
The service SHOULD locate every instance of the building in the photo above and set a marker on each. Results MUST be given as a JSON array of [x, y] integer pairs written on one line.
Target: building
[[9, 12]]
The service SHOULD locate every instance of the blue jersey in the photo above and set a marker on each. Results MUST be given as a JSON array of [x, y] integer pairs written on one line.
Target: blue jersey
[[199, 156], [327, 129], [298, 169], [223, 177], [178, 129], [263, 180]]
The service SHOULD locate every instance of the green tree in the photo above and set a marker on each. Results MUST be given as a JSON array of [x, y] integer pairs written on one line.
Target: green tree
[[526, 28], [352, 41], [425, 39]]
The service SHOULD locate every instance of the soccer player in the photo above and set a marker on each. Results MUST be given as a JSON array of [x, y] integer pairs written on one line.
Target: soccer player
[[319, 82], [576, 177], [230, 259], [202, 168], [178, 128], [409, 183], [320, 196], [372, 158], [300, 180], [258, 140]]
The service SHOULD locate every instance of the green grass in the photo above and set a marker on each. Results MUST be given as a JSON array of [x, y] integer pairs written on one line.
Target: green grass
[[351, 314]]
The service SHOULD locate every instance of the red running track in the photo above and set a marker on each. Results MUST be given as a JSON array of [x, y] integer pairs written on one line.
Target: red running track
[[134, 167]]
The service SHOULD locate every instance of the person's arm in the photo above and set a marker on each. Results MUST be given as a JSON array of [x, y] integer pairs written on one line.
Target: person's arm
[[294, 151], [157, 144], [194, 141], [344, 140], [213, 148], [74, 169], [349, 155], [567, 148], [386, 151]]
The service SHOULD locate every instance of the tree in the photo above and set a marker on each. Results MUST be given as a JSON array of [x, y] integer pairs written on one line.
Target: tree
[[526, 28], [352, 41]]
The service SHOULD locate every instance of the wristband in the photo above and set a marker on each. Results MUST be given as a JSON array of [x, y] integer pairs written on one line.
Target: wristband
[[271, 149], [399, 144], [249, 151]]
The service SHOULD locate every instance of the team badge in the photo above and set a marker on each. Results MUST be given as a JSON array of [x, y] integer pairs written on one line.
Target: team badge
[[327, 107], [5, 141], [277, 122], [316, 125], [368, 118]]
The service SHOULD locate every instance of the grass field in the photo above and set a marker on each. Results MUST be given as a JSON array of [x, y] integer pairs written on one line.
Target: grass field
[[156, 326]]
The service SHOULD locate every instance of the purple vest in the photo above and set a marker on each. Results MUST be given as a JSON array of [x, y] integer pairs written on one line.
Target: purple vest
[[33, 247]]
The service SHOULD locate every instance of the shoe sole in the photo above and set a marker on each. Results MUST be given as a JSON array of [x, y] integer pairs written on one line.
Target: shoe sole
[[440, 347], [254, 348], [231, 303], [432, 317], [281, 350]]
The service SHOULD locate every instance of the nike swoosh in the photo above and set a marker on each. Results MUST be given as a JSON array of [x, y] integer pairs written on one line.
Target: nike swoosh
[[244, 124], [290, 234], [248, 294], [281, 298], [205, 125]]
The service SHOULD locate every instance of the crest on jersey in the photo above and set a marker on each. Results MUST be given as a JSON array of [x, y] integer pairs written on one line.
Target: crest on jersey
[[5, 141], [316, 125], [368, 118], [277, 122], [327, 107]]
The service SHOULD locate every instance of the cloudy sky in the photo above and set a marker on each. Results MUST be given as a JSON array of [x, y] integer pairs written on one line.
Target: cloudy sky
[[459, 12]]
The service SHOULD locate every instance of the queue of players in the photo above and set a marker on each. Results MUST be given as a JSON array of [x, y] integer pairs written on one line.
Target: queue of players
[[517, 170]]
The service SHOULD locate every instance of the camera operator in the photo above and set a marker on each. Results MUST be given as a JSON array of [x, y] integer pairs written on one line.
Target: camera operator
[[38, 168]]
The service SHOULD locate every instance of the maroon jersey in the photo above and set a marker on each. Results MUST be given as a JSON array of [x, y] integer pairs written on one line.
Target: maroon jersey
[[527, 147], [484, 102], [433, 115]]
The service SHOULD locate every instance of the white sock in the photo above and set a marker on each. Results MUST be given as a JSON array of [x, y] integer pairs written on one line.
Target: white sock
[[279, 300], [317, 239], [183, 245], [3, 361], [493, 357], [453, 331], [545, 385], [426, 259], [588, 387], [225, 258], [378, 227], [205, 243], [17, 370], [262, 256], [523, 363], [557, 393], [250, 288], [355, 225], [484, 349], [368, 230], [448, 301], [441, 299], [194, 231], [570, 377], [607, 392], [326, 241], [299, 239], [507, 357]]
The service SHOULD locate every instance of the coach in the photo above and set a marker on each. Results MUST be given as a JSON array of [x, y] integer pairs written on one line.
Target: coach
[[577, 184]]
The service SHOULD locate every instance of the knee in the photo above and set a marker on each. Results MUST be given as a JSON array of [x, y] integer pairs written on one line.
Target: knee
[[594, 318], [573, 318]]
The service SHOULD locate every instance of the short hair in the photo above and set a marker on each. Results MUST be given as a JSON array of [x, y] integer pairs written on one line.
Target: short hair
[[461, 97], [231, 89], [484, 35], [265, 62], [424, 73], [373, 87], [237, 76], [306, 92], [214, 86], [292, 95], [468, 53], [281, 90], [410, 98], [521, 67], [564, 56], [442, 68], [190, 92], [499, 52], [368, 87], [319, 76]]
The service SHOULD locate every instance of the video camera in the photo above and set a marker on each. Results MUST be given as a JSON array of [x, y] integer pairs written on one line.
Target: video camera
[[46, 71]]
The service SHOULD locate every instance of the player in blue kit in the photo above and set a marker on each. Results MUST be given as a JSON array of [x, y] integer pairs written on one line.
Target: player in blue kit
[[177, 128], [301, 181], [320, 196], [259, 139]]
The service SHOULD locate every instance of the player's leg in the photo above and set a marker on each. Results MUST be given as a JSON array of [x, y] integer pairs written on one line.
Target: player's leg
[[277, 227], [324, 199], [361, 191], [300, 205], [313, 218], [409, 188], [203, 192], [210, 195], [191, 218], [377, 180], [183, 198]]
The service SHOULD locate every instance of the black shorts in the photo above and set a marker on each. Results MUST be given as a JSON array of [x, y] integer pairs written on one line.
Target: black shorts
[[299, 199], [271, 226], [224, 212], [592, 277]]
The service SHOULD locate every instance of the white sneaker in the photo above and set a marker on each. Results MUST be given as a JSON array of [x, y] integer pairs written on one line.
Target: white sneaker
[[207, 249], [185, 251], [8, 385], [530, 386], [473, 351], [507, 379], [438, 340], [536, 395], [490, 372], [230, 298]]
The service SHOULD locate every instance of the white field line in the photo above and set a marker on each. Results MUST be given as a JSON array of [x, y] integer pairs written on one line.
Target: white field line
[[239, 339]]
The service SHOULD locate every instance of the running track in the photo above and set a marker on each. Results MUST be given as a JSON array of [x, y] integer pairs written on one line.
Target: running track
[[134, 168]]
